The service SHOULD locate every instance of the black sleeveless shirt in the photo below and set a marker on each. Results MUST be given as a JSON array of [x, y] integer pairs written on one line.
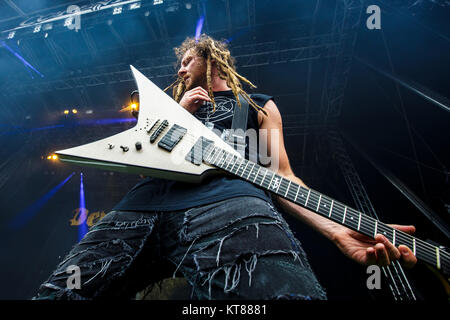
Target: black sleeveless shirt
[[153, 194]]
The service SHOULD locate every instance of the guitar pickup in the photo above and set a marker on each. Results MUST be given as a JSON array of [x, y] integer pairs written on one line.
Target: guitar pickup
[[158, 131], [172, 137]]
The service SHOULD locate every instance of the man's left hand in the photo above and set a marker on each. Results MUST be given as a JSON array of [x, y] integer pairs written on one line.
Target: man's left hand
[[380, 251]]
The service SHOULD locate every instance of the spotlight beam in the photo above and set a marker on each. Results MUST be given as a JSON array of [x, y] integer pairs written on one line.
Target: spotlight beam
[[25, 216], [433, 97], [83, 226], [18, 56], [198, 29]]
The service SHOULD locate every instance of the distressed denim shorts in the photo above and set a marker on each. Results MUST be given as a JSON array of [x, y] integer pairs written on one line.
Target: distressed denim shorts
[[240, 248]]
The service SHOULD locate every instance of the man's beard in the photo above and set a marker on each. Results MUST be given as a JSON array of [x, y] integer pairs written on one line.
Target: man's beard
[[196, 81]]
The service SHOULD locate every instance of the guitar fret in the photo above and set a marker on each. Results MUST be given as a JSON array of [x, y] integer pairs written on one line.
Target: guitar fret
[[345, 213], [359, 221], [263, 178], [298, 189], [414, 246], [307, 197], [213, 160], [251, 170], [239, 167], [393, 236], [243, 171], [375, 231], [241, 161], [287, 189], [224, 159], [232, 161], [271, 181], [279, 184], [318, 203], [256, 175], [438, 258], [331, 208], [235, 161], [209, 156]]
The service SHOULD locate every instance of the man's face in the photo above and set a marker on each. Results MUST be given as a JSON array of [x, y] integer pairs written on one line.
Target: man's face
[[193, 70]]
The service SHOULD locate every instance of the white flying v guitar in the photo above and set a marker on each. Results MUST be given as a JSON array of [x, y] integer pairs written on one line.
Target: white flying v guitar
[[169, 142]]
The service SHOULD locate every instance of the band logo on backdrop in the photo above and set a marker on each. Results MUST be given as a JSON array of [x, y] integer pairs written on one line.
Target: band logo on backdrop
[[82, 215]]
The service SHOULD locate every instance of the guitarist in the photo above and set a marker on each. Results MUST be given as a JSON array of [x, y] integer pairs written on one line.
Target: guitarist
[[224, 235]]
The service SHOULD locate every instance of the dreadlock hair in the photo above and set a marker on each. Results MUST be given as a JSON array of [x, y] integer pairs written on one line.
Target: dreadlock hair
[[217, 51]]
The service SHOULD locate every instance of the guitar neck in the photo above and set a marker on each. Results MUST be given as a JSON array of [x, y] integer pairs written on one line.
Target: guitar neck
[[323, 205]]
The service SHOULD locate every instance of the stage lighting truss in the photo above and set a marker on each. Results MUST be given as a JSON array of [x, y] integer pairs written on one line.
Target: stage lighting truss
[[66, 15]]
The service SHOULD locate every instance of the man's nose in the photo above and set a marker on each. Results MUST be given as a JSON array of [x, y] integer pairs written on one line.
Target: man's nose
[[182, 72]]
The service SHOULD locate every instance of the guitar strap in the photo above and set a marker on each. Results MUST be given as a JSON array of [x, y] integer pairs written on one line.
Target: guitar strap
[[236, 136]]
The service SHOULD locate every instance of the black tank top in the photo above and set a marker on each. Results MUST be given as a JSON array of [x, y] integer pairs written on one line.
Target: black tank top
[[153, 194]]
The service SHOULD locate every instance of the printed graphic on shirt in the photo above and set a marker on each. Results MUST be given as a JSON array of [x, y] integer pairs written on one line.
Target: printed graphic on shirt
[[224, 110]]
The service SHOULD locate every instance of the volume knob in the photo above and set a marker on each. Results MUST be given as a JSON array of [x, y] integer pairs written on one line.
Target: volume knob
[[138, 146]]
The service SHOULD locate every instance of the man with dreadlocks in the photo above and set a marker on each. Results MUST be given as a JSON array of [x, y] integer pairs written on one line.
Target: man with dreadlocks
[[224, 235]]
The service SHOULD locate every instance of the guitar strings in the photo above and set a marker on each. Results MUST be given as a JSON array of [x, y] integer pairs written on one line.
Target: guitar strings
[[422, 248], [366, 223]]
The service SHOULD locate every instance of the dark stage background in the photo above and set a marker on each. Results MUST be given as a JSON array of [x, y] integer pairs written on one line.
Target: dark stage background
[[333, 80]]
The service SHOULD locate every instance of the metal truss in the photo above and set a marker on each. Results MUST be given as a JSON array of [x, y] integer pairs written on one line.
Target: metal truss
[[253, 55], [347, 19], [398, 283]]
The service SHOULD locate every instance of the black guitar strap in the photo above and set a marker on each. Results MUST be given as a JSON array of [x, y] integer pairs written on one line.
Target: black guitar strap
[[236, 137]]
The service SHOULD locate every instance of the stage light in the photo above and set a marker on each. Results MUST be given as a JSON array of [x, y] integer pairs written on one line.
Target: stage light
[[66, 111], [133, 106], [136, 5], [68, 22], [89, 111], [11, 34], [198, 29], [155, 2], [74, 110], [52, 157], [117, 10], [18, 56], [83, 214], [47, 27], [25, 216], [37, 29]]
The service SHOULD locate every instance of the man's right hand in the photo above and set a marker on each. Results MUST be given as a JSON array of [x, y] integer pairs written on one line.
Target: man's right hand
[[194, 98]]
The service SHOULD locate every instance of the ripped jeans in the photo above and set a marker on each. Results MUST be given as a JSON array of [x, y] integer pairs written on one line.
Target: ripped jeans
[[240, 248]]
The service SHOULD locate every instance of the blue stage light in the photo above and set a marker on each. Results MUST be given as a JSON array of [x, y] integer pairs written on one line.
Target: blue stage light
[[18, 56], [26, 215], [83, 212]]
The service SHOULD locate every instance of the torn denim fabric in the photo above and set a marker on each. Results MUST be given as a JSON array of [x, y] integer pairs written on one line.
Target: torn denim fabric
[[240, 248]]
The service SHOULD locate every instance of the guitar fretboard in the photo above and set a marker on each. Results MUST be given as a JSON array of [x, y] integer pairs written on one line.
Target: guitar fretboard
[[323, 205]]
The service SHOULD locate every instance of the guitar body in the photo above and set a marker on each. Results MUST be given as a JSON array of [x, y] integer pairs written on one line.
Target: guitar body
[[119, 152]]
